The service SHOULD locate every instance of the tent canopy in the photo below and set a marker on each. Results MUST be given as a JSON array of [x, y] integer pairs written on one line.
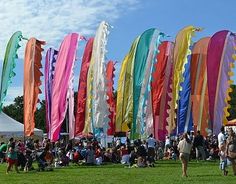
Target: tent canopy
[[231, 123], [11, 127]]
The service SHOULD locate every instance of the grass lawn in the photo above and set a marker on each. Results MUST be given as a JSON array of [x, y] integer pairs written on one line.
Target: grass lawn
[[164, 172]]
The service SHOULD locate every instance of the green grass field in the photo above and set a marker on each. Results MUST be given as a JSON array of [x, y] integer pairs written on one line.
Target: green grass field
[[164, 172]]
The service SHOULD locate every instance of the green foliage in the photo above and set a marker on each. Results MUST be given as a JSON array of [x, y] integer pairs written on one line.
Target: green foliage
[[16, 111], [40, 116], [232, 102]]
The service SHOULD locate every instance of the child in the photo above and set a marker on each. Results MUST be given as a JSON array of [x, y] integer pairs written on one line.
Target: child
[[12, 158], [223, 160]]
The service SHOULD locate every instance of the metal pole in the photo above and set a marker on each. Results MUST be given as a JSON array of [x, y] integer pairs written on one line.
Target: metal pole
[[67, 127]]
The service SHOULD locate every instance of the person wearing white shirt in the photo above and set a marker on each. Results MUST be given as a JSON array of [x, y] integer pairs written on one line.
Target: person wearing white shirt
[[184, 148], [221, 138], [167, 143]]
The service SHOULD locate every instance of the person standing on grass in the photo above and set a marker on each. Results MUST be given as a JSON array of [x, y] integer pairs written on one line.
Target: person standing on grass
[[151, 144], [231, 148], [222, 150], [3, 149], [11, 158], [198, 143], [184, 148]]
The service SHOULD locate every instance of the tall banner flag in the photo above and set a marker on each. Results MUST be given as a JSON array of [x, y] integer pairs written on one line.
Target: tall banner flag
[[61, 89], [82, 88], [96, 116], [199, 89], [32, 74], [219, 70], [124, 105], [159, 87], [144, 114], [49, 70], [184, 111], [111, 99], [181, 53], [139, 73], [9, 64]]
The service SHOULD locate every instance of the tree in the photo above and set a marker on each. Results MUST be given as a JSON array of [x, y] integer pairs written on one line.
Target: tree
[[232, 102], [40, 116], [15, 110]]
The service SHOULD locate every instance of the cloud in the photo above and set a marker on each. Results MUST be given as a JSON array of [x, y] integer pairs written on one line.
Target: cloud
[[51, 20], [12, 93]]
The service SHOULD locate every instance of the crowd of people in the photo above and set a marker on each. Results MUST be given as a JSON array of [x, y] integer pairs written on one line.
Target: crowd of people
[[138, 153]]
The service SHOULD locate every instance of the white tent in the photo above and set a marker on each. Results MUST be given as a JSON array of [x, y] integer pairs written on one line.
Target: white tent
[[12, 128]]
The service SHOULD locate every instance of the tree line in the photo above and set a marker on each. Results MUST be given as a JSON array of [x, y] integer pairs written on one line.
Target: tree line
[[15, 110]]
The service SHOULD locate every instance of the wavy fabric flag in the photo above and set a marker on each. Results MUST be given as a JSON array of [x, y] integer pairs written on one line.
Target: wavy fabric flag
[[139, 73], [143, 109], [111, 100], [49, 71], [184, 111], [32, 74], [124, 105], [61, 89], [199, 89], [71, 105], [96, 105], [167, 95], [181, 52], [82, 89], [159, 85], [101, 111], [219, 65], [9, 64]]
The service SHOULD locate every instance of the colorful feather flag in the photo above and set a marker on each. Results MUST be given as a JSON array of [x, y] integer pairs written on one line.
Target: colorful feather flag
[[184, 111], [219, 65], [181, 52], [139, 68], [82, 89], [111, 101], [32, 74], [49, 71], [61, 89], [199, 89], [9, 64], [144, 114], [96, 105], [159, 85], [124, 105]]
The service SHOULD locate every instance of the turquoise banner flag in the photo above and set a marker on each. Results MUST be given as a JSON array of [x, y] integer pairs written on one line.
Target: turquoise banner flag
[[139, 68], [9, 64]]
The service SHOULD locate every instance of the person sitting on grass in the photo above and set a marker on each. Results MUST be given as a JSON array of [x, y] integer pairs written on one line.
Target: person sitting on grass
[[98, 155], [160, 153], [141, 152], [124, 155], [141, 162], [184, 147], [115, 156], [107, 155], [90, 158]]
